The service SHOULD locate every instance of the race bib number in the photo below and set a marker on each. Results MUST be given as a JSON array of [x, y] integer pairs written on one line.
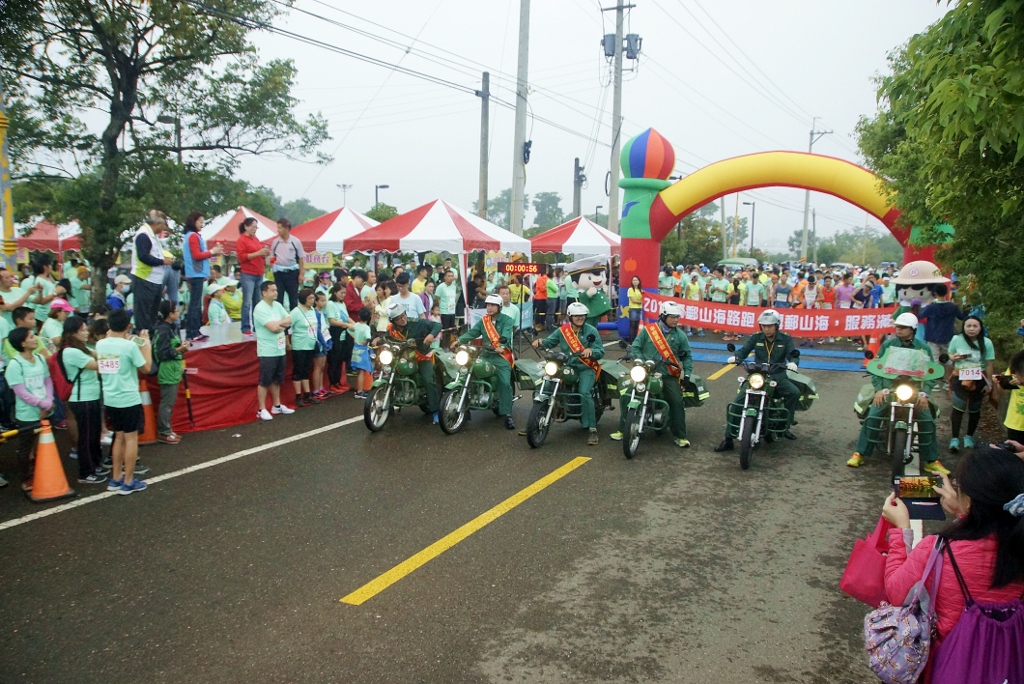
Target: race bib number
[[970, 374], [844, 305], [826, 305], [280, 342], [109, 366], [858, 305]]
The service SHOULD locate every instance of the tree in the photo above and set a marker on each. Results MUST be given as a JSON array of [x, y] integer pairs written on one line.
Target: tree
[[949, 140], [499, 209], [300, 210], [696, 240], [151, 68], [382, 212], [549, 211]]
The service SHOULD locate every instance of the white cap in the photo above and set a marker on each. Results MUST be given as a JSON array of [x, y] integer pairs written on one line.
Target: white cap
[[494, 299], [907, 320], [122, 280], [214, 289]]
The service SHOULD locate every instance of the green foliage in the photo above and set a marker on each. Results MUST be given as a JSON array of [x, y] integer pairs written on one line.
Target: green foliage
[[64, 61], [549, 211], [949, 139], [499, 209], [697, 239], [855, 245], [382, 212]]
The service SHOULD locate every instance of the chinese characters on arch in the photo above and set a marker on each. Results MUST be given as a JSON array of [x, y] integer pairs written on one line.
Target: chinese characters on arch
[[798, 322]]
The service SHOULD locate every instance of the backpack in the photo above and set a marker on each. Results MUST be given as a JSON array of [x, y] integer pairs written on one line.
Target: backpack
[[62, 385], [985, 644], [898, 638]]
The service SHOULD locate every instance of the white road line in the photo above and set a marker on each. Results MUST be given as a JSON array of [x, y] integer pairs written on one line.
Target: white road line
[[178, 473]]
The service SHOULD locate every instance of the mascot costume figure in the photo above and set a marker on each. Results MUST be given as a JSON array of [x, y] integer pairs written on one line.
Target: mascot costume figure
[[591, 278]]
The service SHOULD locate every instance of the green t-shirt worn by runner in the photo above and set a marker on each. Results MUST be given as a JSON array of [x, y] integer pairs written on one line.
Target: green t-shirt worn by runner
[[338, 312], [268, 343], [42, 310], [303, 329], [33, 376], [52, 328], [120, 360], [754, 294], [9, 298], [88, 386], [958, 345]]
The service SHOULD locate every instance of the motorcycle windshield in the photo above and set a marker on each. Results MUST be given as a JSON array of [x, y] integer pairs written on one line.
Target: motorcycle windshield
[[899, 361]]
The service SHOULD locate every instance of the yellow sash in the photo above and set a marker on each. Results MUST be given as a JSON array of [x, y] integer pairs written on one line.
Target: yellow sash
[[576, 347]]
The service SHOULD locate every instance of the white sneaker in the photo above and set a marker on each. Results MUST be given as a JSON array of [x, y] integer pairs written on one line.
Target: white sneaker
[[107, 439], [264, 414], [281, 409]]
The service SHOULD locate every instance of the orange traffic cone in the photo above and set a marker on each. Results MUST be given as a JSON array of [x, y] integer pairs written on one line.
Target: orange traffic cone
[[874, 342], [148, 435], [49, 482]]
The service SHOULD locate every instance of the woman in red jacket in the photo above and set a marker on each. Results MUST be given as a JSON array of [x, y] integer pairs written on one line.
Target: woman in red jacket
[[252, 255], [987, 538]]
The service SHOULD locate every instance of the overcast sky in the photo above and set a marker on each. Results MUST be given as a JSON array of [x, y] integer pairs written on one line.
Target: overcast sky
[[718, 79]]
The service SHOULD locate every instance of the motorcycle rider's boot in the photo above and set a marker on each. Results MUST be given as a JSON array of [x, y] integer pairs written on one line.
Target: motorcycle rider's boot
[[789, 435], [683, 443], [509, 424], [936, 467], [726, 445], [615, 436], [592, 439], [856, 460]]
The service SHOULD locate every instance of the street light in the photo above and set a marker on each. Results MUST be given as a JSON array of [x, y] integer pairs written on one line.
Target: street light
[[753, 209], [376, 193], [168, 119], [598, 208], [344, 187]]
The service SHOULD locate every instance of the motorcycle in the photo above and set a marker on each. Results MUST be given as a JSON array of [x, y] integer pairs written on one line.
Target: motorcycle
[[897, 430], [646, 409], [474, 387], [397, 383], [554, 399], [763, 415]]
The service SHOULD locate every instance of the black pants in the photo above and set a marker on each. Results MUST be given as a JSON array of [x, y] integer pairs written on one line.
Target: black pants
[[147, 301], [90, 453], [287, 282], [447, 329], [194, 315], [1015, 435]]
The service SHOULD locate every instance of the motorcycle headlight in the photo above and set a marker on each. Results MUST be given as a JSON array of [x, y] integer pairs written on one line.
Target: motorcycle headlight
[[638, 374], [462, 357], [386, 356], [551, 368], [904, 392], [756, 381]]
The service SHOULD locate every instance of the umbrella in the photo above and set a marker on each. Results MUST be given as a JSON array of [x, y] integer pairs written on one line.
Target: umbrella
[[223, 230], [577, 236], [328, 233], [47, 237], [437, 227]]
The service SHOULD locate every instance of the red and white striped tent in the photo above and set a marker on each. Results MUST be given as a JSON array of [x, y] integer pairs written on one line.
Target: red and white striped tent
[[223, 230], [437, 227], [578, 236], [46, 237], [328, 233]]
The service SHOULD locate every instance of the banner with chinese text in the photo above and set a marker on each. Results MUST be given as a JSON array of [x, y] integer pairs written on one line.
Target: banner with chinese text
[[796, 322]]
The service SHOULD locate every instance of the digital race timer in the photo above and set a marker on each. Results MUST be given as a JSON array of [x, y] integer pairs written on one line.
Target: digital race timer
[[519, 267]]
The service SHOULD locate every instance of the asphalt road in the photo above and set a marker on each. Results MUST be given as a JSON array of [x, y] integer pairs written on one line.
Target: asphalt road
[[674, 567]]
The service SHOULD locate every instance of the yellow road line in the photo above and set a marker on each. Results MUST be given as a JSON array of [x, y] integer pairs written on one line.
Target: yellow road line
[[719, 373], [374, 587]]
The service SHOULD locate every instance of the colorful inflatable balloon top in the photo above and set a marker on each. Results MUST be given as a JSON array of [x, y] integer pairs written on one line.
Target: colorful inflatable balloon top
[[648, 155]]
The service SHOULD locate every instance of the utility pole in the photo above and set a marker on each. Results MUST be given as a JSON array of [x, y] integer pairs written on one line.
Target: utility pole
[[485, 131], [6, 206], [519, 152], [753, 215], [814, 232], [725, 238], [814, 137], [578, 179], [736, 226], [633, 49]]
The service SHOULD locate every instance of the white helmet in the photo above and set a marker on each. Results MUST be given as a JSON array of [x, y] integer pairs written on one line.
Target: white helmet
[[769, 317], [395, 310], [494, 299], [907, 320], [577, 309], [670, 309]]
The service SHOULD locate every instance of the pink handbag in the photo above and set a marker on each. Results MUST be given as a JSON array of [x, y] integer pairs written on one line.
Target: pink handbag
[[864, 576]]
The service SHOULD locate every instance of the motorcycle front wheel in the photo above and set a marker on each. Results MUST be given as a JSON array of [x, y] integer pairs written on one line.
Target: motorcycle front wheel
[[746, 441], [899, 446], [376, 409], [631, 440], [537, 425], [450, 417]]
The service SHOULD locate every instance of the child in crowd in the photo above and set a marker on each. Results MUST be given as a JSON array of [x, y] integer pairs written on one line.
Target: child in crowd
[[324, 344], [217, 314], [53, 326], [29, 377], [169, 349], [361, 353], [231, 299]]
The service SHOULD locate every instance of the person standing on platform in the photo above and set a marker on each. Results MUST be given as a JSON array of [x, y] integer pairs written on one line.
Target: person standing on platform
[[196, 258], [148, 265], [252, 256], [271, 323], [288, 262]]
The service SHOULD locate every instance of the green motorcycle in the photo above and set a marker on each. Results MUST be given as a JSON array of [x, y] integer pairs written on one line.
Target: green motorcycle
[[474, 387], [555, 398], [397, 383], [646, 410]]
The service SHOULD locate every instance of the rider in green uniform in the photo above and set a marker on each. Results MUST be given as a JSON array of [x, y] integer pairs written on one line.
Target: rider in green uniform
[[593, 348], [645, 349], [497, 351], [424, 332], [769, 346], [906, 327]]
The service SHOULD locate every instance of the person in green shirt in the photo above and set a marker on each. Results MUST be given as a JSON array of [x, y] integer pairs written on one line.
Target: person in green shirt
[[169, 351], [29, 378], [11, 295], [718, 287], [497, 338], [666, 282], [304, 336], [271, 322], [593, 348], [905, 326], [447, 297], [424, 332], [755, 294], [645, 349], [972, 354], [81, 289], [53, 326], [120, 358], [80, 369], [25, 317]]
